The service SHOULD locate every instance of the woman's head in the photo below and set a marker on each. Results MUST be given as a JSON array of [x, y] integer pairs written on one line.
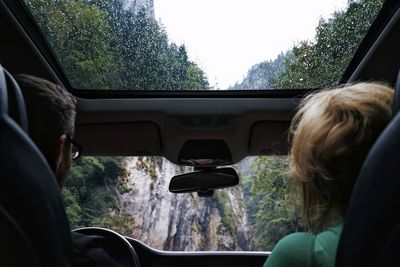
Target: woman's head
[[331, 135]]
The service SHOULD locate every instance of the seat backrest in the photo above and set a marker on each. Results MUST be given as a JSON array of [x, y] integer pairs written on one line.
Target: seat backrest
[[371, 232], [17, 109], [16, 249], [29, 192]]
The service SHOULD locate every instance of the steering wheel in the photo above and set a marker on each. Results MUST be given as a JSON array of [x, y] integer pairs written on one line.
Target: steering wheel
[[114, 244]]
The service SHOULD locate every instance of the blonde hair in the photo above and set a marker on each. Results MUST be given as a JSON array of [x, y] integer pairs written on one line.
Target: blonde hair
[[331, 135]]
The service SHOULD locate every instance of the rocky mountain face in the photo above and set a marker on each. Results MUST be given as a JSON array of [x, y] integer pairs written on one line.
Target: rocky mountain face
[[262, 75], [182, 222], [136, 5]]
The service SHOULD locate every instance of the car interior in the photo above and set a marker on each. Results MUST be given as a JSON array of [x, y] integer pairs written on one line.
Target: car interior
[[183, 127]]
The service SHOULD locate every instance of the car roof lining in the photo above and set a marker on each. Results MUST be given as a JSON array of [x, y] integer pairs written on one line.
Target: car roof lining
[[248, 126]]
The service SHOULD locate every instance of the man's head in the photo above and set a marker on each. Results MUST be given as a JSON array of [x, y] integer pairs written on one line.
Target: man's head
[[51, 116]]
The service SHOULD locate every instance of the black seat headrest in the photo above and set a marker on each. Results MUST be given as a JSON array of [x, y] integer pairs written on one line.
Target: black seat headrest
[[373, 216], [375, 204], [29, 192], [396, 98], [17, 109], [3, 93], [12, 100]]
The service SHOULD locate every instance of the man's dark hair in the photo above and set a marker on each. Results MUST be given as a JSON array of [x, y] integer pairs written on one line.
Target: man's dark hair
[[51, 112]]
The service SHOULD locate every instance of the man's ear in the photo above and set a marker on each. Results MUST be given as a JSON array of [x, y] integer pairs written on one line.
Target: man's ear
[[60, 152]]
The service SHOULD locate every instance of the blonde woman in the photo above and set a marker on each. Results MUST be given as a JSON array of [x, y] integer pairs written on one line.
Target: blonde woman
[[331, 135]]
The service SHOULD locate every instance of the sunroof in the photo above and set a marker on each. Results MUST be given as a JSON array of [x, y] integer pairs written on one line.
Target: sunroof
[[203, 45]]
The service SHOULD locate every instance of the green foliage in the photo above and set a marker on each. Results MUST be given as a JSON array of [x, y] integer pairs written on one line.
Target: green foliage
[[80, 37], [321, 62], [225, 210], [90, 194], [271, 202], [103, 45]]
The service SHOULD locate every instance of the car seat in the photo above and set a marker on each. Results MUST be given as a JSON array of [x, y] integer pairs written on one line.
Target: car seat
[[371, 232], [32, 216], [16, 249]]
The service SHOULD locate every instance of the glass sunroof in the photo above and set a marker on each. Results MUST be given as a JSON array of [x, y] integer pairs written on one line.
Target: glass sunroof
[[203, 45]]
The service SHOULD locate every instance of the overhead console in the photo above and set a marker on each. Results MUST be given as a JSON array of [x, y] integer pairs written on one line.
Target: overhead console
[[213, 132], [205, 153]]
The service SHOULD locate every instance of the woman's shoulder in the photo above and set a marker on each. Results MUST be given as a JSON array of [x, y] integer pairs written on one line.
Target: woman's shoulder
[[299, 241], [302, 249], [292, 250], [298, 237]]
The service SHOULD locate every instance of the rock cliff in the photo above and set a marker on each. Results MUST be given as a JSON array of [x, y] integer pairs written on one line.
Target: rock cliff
[[137, 5], [182, 221]]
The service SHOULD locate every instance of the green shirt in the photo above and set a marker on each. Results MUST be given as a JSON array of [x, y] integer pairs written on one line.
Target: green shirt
[[306, 249]]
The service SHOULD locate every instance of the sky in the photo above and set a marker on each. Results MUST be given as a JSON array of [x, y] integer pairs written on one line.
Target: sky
[[226, 37]]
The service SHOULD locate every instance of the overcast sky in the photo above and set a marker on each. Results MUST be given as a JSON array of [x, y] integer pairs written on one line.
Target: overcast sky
[[227, 37]]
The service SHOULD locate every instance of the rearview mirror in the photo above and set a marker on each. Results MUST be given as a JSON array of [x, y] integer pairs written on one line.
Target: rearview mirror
[[204, 182]]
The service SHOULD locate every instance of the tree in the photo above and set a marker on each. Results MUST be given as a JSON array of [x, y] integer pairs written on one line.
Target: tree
[[321, 62], [80, 37], [272, 202], [103, 45], [147, 60], [91, 193]]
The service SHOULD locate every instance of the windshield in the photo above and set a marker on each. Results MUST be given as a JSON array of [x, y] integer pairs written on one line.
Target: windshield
[[130, 195], [203, 45]]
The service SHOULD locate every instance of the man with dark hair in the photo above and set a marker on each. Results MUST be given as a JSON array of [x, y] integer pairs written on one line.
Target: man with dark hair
[[51, 116]]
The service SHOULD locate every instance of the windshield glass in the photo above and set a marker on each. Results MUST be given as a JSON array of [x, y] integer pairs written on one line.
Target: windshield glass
[[130, 195], [203, 45]]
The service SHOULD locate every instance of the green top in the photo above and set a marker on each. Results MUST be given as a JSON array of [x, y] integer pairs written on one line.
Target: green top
[[306, 249]]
